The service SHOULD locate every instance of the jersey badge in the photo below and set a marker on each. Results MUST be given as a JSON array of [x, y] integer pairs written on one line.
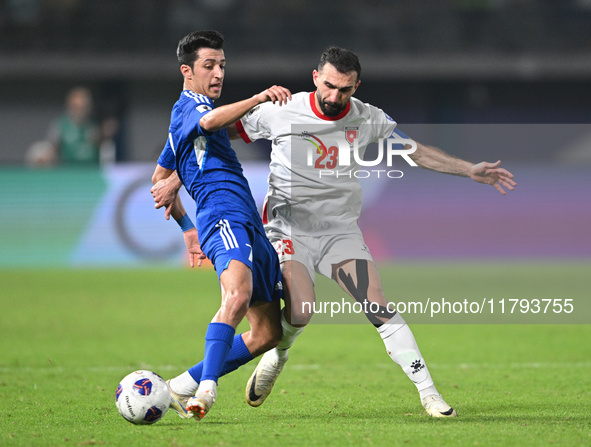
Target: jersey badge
[[203, 108], [351, 134]]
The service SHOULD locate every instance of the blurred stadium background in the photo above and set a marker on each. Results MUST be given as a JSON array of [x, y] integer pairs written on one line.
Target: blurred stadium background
[[483, 79]]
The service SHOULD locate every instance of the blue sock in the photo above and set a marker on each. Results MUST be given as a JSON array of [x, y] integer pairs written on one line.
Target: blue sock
[[238, 356], [218, 342]]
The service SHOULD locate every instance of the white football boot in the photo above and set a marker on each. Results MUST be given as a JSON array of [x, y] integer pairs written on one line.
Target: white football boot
[[436, 407], [179, 403], [200, 404], [263, 378]]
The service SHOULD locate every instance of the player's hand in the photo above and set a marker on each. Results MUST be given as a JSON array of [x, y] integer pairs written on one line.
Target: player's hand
[[491, 174], [164, 195], [275, 94], [192, 242]]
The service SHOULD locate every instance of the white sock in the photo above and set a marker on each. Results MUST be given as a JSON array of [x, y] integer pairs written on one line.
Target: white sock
[[210, 387], [290, 333], [184, 384], [402, 348]]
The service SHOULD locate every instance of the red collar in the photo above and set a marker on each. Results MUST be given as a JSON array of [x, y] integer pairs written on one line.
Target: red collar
[[320, 115]]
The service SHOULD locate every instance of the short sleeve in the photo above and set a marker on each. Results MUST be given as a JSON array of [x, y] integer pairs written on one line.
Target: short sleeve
[[384, 125], [167, 158]]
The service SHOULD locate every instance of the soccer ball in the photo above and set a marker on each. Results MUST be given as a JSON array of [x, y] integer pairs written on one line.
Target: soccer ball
[[142, 397]]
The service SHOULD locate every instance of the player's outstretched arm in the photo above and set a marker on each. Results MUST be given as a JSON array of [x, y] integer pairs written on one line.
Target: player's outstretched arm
[[488, 173], [226, 115]]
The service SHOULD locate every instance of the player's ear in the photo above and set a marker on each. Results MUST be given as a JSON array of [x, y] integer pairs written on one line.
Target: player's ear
[[186, 71], [315, 75], [357, 85]]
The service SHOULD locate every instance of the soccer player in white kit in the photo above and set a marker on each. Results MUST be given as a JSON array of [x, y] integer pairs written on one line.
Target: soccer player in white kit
[[313, 204]]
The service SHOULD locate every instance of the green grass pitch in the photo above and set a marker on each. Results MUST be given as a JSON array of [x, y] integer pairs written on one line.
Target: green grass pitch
[[68, 336]]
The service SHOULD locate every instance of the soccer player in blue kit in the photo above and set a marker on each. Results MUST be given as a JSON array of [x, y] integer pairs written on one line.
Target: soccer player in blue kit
[[229, 228]]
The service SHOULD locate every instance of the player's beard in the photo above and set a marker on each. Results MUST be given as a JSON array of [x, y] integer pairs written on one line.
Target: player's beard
[[331, 108]]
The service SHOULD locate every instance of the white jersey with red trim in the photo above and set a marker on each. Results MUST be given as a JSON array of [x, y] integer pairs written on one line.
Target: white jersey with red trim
[[313, 188]]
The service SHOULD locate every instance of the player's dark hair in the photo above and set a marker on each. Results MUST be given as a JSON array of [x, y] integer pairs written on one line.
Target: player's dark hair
[[189, 45], [344, 61]]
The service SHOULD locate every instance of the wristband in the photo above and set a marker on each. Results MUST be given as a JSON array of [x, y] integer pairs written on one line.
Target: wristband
[[185, 223]]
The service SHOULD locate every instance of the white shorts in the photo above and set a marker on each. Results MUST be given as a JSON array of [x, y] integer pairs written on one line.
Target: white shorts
[[318, 253]]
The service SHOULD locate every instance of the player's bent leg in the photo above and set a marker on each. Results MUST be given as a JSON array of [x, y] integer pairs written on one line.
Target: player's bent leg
[[264, 319], [261, 383], [236, 286], [265, 333], [361, 280]]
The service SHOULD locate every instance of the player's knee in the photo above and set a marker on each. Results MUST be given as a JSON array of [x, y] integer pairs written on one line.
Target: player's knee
[[235, 303], [301, 315]]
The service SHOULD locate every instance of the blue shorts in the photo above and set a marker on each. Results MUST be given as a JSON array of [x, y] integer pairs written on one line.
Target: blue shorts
[[234, 240]]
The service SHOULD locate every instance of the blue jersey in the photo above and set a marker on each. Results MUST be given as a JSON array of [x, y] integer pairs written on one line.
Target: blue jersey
[[208, 167]]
